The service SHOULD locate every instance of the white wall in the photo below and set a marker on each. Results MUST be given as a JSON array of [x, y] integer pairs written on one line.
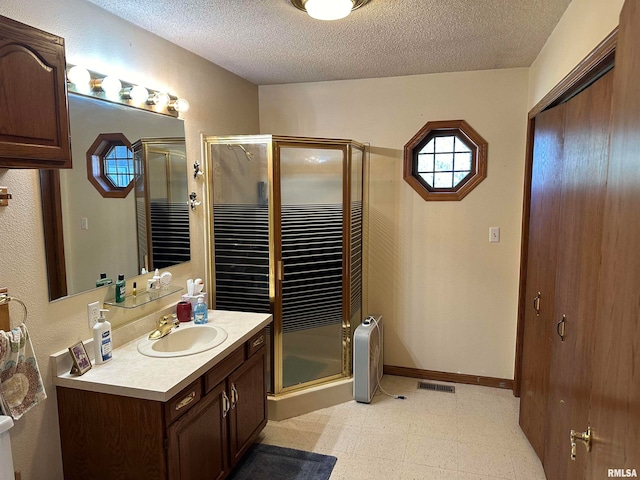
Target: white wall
[[447, 296], [582, 27], [221, 104]]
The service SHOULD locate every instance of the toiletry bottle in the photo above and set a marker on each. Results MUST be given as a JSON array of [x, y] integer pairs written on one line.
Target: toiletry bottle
[[102, 339], [135, 290], [200, 312], [156, 279], [121, 289], [103, 280]]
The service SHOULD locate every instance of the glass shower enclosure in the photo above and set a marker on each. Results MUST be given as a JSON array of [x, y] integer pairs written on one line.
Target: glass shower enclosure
[[285, 227]]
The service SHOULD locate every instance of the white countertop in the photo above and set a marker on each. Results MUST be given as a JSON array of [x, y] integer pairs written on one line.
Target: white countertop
[[132, 374]]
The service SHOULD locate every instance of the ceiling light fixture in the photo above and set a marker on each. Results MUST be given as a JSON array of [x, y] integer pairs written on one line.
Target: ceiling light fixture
[[328, 9]]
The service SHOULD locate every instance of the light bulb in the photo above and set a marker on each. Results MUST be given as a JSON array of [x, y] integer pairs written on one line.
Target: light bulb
[[159, 99], [179, 105], [138, 94], [80, 77], [328, 9], [111, 87]]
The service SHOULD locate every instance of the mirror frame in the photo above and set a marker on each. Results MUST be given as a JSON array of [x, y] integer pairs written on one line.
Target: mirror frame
[[53, 233]]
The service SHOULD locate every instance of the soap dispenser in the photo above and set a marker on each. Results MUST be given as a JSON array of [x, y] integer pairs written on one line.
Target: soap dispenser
[[200, 312], [102, 339]]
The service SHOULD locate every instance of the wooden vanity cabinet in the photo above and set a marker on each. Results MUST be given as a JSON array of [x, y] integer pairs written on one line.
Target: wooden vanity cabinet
[[34, 125], [201, 433], [248, 412], [224, 424], [197, 444]]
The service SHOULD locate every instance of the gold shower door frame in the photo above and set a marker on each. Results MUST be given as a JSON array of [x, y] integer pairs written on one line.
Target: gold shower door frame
[[276, 267], [142, 148]]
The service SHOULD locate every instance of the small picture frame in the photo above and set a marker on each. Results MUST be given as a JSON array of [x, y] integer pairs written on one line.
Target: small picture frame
[[81, 361]]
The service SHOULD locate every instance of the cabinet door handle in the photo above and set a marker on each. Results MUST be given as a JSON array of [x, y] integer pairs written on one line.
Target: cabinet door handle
[[258, 341], [536, 304], [560, 327], [225, 404], [186, 401], [234, 395]]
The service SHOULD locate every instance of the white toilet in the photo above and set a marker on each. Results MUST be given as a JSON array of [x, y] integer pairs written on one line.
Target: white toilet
[[6, 461]]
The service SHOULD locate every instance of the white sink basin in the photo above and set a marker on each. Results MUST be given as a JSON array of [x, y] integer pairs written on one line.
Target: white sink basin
[[185, 340]]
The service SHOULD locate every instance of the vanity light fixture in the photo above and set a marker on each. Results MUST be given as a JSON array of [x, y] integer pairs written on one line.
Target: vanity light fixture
[[137, 94], [178, 104], [80, 78], [107, 87], [328, 9], [110, 85], [159, 99]]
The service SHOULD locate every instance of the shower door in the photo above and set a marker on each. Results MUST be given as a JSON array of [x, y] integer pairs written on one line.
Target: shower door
[[286, 235], [311, 259]]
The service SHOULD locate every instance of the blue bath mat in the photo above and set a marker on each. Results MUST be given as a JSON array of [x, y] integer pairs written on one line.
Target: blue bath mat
[[268, 462]]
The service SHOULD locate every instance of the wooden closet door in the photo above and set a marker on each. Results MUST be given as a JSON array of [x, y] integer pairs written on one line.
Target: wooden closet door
[[615, 394], [584, 177], [541, 273]]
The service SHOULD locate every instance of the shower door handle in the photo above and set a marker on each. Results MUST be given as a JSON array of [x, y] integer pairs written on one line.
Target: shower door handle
[[281, 270]]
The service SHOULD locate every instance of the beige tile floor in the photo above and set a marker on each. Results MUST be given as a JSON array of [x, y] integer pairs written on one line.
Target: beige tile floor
[[470, 435]]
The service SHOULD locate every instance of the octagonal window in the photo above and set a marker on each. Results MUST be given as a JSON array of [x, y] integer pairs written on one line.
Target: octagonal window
[[445, 160], [110, 165], [118, 165]]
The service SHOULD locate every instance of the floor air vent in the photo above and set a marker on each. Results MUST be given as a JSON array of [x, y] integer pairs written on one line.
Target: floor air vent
[[436, 387]]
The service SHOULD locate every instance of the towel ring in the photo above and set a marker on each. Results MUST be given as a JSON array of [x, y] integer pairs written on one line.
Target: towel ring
[[5, 299]]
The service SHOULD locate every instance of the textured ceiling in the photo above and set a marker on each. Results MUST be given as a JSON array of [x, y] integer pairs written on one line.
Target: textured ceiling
[[271, 42]]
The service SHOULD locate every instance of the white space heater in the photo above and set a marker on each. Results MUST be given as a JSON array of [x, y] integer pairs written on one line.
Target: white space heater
[[367, 358]]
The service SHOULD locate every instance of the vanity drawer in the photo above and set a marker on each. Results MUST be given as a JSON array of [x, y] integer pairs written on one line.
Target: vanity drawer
[[221, 371], [183, 401], [256, 342]]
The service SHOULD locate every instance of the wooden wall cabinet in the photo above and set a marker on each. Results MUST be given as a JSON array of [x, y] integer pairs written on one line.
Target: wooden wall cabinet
[[201, 433], [34, 125]]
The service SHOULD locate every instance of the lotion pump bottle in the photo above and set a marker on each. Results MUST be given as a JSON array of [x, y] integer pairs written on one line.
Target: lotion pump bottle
[[102, 339]]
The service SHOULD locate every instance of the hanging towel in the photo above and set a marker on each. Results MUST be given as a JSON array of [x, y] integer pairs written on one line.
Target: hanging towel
[[20, 381]]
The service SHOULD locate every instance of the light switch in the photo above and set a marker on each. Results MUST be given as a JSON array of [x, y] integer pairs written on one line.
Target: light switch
[[494, 234], [84, 223]]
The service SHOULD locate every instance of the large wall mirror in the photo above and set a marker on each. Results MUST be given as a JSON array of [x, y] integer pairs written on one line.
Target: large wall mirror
[[89, 232]]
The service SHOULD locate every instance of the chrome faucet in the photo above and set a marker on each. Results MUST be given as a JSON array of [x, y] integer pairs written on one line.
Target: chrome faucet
[[164, 326]]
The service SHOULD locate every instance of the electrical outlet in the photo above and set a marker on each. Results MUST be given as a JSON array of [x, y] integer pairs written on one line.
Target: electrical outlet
[[93, 312]]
